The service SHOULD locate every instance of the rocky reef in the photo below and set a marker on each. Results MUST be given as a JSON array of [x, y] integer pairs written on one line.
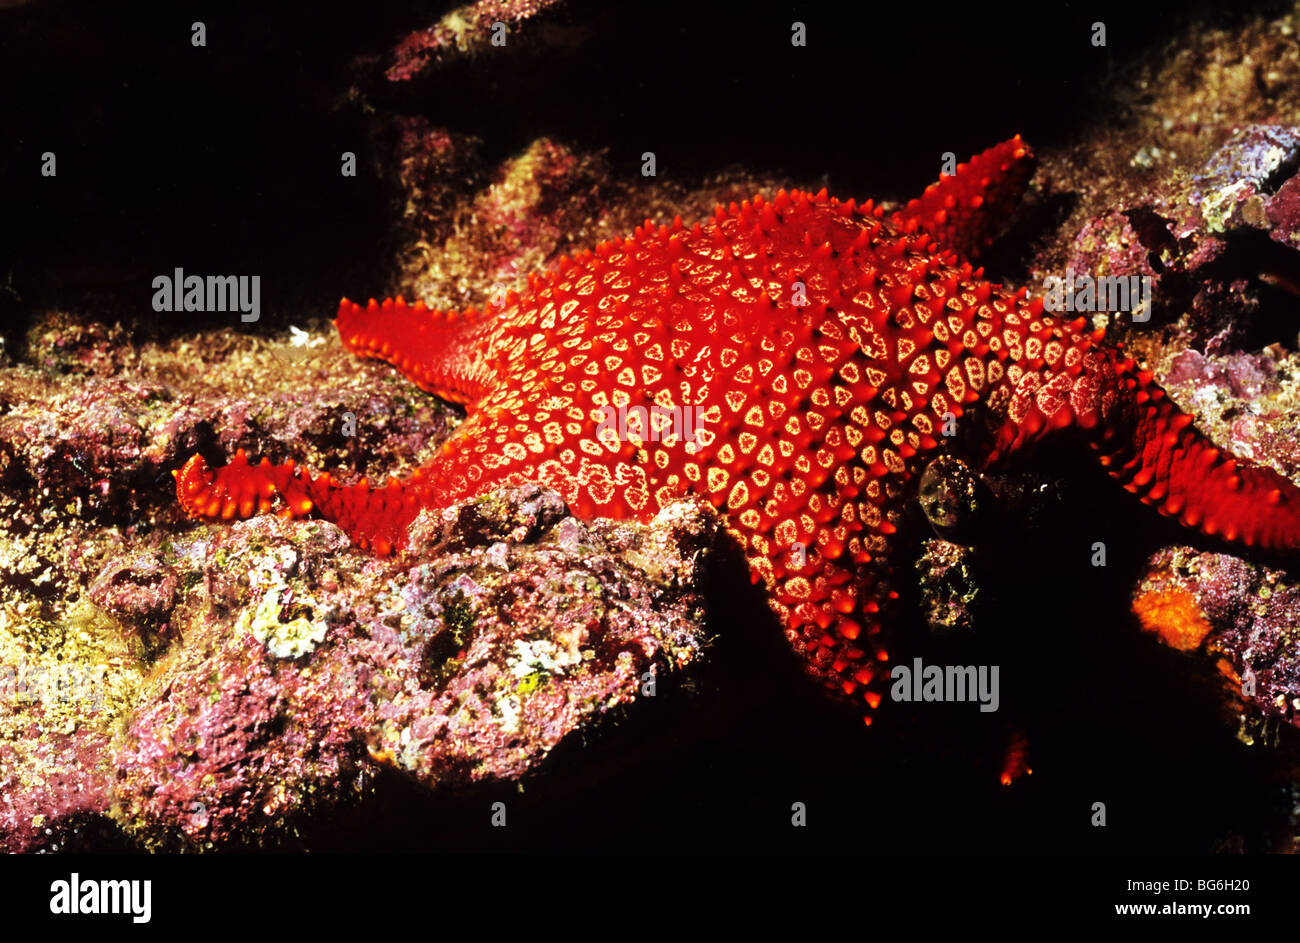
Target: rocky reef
[[265, 673]]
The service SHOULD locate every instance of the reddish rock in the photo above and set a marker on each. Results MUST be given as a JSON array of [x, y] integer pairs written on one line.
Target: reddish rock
[[519, 628], [1243, 616], [467, 30]]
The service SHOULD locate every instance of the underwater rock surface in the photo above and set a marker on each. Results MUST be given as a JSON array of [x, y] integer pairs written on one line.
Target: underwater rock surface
[[292, 669]]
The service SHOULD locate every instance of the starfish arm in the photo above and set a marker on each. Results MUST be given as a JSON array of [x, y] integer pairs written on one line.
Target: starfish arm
[[1163, 459], [963, 211], [1149, 444], [374, 518], [830, 614], [442, 352]]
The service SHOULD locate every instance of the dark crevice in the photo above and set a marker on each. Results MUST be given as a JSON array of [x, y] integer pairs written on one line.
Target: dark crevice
[[1007, 260], [1153, 231], [1265, 311], [1284, 172]]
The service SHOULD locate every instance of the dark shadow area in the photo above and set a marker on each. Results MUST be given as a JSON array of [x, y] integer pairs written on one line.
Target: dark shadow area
[[226, 159]]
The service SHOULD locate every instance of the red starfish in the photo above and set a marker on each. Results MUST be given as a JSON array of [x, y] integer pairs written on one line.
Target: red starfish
[[818, 345]]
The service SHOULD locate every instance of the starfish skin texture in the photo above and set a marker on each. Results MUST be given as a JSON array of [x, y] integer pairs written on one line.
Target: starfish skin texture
[[823, 348]]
